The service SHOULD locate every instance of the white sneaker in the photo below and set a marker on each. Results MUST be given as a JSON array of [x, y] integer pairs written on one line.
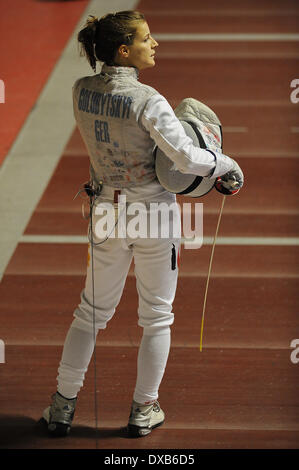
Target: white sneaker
[[59, 415], [144, 418]]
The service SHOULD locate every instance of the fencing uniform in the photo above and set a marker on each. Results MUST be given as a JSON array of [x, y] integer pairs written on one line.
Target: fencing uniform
[[121, 121]]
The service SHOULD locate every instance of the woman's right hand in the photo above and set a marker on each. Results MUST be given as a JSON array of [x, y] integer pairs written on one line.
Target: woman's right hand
[[231, 182]]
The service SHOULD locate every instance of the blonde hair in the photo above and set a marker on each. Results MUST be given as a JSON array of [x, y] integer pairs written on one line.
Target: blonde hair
[[101, 38]]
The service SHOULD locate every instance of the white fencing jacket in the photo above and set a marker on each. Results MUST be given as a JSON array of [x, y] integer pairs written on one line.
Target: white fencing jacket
[[121, 121]]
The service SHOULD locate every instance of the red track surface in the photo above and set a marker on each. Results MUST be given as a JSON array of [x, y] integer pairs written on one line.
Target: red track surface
[[242, 390], [32, 36]]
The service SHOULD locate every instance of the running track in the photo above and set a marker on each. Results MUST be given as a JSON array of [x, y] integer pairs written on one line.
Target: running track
[[241, 391]]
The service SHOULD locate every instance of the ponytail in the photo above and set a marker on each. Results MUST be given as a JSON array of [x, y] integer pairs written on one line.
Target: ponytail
[[86, 38]]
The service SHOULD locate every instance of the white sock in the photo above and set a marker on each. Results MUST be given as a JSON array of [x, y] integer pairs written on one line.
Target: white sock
[[152, 359], [76, 356]]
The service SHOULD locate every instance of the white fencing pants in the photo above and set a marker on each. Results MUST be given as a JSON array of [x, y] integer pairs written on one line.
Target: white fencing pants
[[156, 272]]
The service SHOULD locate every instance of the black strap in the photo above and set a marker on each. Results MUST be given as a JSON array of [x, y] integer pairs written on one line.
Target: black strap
[[197, 180], [201, 141], [192, 186]]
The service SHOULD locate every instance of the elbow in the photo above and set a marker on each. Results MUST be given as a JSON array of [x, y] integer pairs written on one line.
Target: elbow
[[184, 165]]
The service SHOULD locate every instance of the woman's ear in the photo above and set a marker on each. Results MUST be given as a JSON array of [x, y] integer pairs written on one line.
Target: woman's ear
[[123, 51]]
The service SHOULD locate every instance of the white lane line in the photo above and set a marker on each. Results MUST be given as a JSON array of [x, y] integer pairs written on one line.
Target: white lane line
[[285, 103], [71, 239], [270, 154], [226, 55], [39, 145], [220, 12], [241, 241], [37, 342], [238, 274], [226, 37], [254, 241], [235, 129]]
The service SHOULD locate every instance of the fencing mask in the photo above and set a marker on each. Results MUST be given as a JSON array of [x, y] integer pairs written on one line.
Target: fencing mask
[[203, 126]]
